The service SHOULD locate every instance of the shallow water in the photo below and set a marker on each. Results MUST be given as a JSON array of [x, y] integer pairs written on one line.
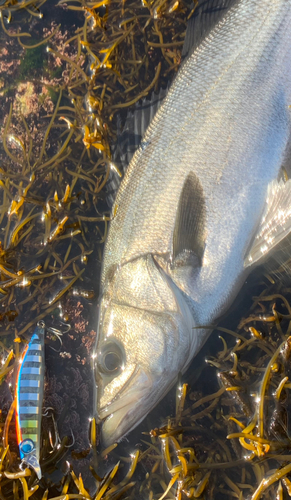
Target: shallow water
[[58, 122]]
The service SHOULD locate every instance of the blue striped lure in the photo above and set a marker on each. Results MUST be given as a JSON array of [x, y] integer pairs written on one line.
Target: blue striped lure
[[29, 398]]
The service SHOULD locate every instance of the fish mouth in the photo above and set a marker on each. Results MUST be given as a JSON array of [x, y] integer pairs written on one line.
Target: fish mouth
[[126, 411]]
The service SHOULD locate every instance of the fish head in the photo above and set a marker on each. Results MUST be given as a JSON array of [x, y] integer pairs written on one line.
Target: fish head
[[138, 356]]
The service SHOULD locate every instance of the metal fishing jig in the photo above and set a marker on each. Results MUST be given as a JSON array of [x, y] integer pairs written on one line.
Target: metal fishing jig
[[29, 397]]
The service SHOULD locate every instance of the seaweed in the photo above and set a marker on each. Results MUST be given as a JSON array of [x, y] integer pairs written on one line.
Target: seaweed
[[32, 61], [232, 442], [58, 129]]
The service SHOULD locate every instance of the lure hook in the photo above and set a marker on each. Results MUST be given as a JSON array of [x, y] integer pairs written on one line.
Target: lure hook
[[58, 334], [73, 438]]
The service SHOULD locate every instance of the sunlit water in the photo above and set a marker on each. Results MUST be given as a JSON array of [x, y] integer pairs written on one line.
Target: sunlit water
[[51, 242]]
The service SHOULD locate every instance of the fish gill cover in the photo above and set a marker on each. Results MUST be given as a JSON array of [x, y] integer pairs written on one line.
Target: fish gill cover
[[67, 70]]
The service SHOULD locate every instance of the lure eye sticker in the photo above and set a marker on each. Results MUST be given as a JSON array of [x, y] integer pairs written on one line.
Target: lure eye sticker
[[26, 447]]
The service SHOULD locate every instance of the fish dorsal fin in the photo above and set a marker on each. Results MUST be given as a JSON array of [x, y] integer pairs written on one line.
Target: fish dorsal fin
[[205, 17], [275, 224], [189, 230]]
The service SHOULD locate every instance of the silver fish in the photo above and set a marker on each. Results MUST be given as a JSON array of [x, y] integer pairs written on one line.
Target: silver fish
[[202, 202]]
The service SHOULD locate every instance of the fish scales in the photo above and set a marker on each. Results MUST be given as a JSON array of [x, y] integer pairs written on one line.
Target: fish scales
[[193, 127], [200, 202]]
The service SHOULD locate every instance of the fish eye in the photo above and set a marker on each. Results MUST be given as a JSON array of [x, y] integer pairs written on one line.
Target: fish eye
[[111, 361], [111, 358]]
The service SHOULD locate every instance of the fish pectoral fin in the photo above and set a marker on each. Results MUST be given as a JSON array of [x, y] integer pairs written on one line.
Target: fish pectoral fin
[[275, 224], [189, 231]]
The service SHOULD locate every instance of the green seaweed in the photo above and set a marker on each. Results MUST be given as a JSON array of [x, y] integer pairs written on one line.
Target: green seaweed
[[32, 61], [56, 73], [53, 95]]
